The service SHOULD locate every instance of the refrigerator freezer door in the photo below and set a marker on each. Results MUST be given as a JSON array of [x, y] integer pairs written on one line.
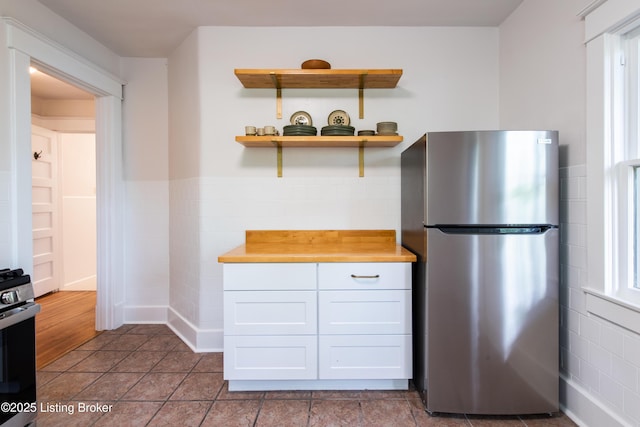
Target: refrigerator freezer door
[[492, 177], [492, 323]]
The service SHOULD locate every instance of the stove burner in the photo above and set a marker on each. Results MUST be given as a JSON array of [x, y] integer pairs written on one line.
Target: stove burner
[[12, 278]]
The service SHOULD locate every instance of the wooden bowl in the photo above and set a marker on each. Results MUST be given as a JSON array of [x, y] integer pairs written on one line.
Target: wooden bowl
[[315, 64]]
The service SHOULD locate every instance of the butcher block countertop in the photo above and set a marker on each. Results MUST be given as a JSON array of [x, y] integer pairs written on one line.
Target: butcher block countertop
[[319, 246]]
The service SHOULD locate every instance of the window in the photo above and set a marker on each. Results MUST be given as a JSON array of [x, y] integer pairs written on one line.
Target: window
[[630, 55], [626, 159], [612, 286]]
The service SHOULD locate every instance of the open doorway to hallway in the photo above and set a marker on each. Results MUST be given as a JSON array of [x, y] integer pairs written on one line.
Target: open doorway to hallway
[[64, 214]]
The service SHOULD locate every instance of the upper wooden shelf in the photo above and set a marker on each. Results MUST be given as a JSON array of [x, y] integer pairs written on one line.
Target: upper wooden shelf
[[318, 79]]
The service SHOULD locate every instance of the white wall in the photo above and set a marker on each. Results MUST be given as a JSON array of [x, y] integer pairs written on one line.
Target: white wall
[[185, 116], [146, 151], [77, 154], [542, 73], [221, 189]]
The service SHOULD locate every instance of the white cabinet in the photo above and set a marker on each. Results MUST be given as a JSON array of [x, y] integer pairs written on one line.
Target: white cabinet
[[364, 320], [365, 356], [270, 357], [270, 313], [270, 321], [315, 326]]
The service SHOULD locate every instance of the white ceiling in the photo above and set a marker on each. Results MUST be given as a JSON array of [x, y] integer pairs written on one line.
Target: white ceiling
[[44, 86], [154, 28]]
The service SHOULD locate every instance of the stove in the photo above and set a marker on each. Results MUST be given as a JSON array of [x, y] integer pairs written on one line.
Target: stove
[[18, 406]]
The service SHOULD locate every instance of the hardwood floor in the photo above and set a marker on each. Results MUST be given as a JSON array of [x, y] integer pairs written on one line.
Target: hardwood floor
[[67, 320]]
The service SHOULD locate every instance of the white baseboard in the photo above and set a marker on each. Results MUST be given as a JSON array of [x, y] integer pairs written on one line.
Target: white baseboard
[[199, 340], [85, 284], [584, 409]]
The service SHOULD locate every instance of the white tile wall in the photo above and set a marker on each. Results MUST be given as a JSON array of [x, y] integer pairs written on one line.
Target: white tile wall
[[600, 357], [147, 242], [184, 250]]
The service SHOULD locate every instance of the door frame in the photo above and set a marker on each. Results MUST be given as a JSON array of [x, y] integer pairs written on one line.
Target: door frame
[[26, 47]]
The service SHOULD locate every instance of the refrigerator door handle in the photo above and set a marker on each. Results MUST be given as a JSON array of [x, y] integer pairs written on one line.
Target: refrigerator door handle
[[493, 229]]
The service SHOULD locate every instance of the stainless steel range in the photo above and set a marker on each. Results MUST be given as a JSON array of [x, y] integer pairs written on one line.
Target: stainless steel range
[[18, 406]]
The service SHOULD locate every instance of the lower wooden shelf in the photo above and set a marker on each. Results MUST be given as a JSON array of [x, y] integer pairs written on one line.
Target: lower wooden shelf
[[360, 142], [320, 141]]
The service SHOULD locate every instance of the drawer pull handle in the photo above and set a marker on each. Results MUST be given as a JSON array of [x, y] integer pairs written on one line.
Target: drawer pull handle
[[355, 276]]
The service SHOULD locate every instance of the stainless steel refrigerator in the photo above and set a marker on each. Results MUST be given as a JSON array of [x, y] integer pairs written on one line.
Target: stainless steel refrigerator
[[480, 210]]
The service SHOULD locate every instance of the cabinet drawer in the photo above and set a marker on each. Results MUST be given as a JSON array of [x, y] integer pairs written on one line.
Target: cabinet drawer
[[365, 312], [365, 357], [270, 312], [372, 275], [270, 357], [270, 276]]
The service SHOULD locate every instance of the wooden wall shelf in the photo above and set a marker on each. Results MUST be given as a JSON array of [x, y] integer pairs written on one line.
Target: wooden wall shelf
[[265, 78], [359, 142], [320, 141], [318, 79]]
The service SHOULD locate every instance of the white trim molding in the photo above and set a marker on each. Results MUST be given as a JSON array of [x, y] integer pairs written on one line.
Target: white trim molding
[[608, 15], [24, 46], [613, 310], [593, 5], [53, 58], [581, 406], [199, 340]]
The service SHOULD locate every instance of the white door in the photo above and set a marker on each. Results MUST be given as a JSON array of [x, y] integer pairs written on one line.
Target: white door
[[44, 174]]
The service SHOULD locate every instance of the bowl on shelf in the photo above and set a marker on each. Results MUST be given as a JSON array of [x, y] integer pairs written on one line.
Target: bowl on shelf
[[387, 128], [315, 64]]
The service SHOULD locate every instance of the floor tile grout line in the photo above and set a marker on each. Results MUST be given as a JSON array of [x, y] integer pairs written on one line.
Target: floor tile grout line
[[408, 396]]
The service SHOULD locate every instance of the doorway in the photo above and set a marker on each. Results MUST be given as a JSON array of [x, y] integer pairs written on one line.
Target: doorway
[[25, 47], [63, 186], [63, 215]]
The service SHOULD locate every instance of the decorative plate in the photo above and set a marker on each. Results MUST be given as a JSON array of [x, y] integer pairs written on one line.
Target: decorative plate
[[301, 118], [339, 118]]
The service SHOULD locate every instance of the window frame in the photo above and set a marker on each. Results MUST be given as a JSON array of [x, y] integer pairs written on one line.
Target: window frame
[[625, 162], [608, 166]]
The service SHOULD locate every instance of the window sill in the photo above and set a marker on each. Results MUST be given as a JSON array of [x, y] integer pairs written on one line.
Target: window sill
[[612, 309]]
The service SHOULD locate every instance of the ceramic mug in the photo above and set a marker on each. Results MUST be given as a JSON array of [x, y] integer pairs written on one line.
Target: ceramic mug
[[250, 130], [260, 131], [269, 130]]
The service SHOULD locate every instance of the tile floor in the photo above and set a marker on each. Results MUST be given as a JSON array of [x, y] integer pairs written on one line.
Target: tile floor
[[144, 375]]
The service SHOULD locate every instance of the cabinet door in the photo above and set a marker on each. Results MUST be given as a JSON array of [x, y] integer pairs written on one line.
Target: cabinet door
[[270, 357], [365, 357], [270, 312], [364, 275], [365, 312], [269, 276]]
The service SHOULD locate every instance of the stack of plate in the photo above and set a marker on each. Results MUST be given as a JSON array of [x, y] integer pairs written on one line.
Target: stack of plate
[[299, 130], [387, 128], [337, 130]]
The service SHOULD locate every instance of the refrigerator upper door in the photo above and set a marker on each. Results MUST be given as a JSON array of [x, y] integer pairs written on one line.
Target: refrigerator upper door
[[492, 177]]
